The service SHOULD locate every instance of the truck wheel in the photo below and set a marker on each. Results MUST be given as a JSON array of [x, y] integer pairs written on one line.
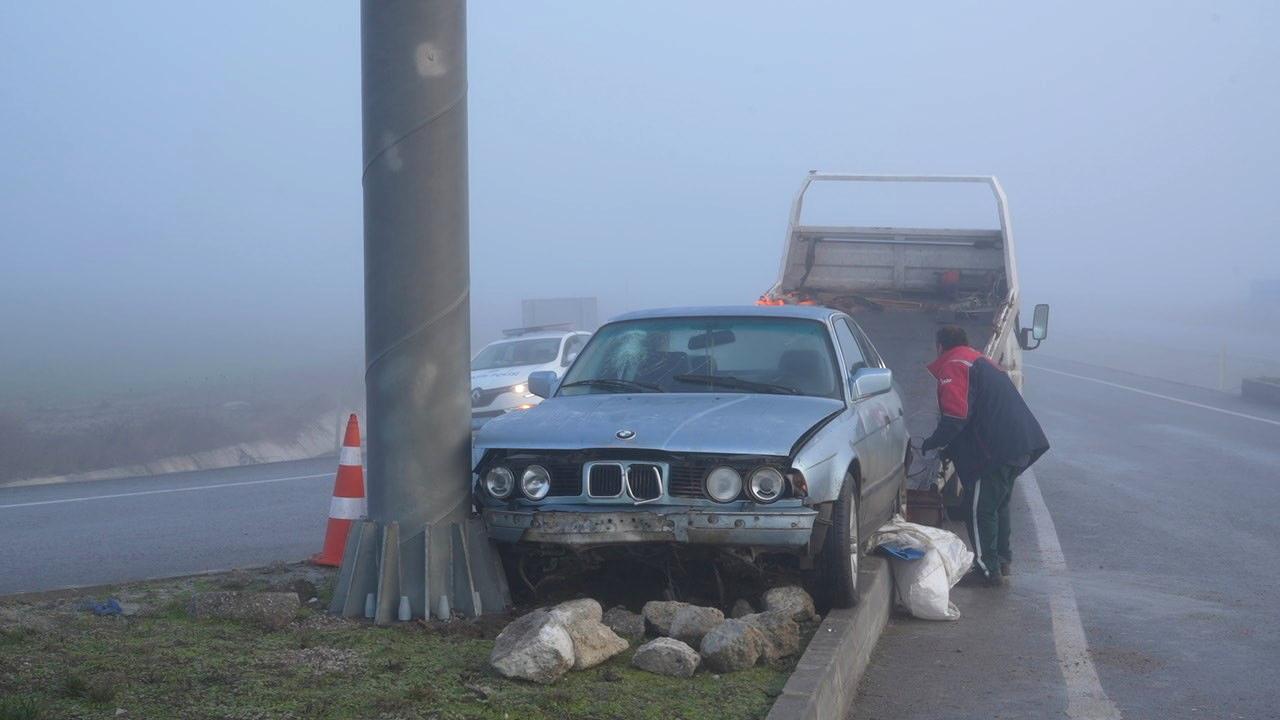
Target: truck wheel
[[842, 550]]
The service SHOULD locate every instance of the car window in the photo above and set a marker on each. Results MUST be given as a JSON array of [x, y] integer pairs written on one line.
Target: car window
[[708, 355], [868, 350], [513, 353], [572, 346], [849, 346]]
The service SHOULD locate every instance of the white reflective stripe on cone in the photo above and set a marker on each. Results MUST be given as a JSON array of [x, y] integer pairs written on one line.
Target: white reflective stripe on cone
[[341, 508], [349, 456]]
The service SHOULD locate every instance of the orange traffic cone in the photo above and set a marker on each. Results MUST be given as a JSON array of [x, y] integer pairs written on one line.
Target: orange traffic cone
[[348, 503]]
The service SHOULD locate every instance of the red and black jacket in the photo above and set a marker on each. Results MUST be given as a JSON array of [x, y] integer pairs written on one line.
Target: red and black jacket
[[985, 422]]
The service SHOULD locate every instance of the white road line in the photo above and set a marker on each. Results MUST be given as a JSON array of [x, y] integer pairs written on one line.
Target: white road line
[[1086, 700], [164, 491], [1170, 398]]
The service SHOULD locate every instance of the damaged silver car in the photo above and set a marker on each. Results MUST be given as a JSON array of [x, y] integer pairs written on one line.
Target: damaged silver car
[[756, 430]]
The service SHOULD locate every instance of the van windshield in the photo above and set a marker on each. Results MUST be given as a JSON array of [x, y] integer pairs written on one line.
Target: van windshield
[[513, 353], [787, 356]]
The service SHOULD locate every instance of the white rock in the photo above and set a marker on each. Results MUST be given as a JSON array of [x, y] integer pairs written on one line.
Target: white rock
[[667, 656], [793, 600], [692, 622], [534, 647], [574, 611], [658, 614]]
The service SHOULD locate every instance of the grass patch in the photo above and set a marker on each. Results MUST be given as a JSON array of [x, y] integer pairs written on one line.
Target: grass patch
[[160, 663]]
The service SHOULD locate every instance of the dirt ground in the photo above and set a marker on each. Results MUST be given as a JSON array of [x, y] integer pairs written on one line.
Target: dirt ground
[[60, 660]]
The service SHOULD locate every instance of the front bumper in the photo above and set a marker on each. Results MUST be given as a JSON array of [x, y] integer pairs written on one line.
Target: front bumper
[[790, 528]]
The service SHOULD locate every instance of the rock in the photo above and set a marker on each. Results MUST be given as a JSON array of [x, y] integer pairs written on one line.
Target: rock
[[793, 600], [304, 588], [271, 610], [658, 614], [593, 643], [741, 608], [534, 647], [574, 611], [667, 656], [691, 623], [235, 580], [732, 645], [781, 633], [624, 622]]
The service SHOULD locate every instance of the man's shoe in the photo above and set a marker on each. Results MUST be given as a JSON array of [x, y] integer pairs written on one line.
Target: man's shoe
[[1005, 568]]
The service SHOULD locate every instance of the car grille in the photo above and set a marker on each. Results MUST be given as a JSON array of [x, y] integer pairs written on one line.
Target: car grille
[[605, 481], [644, 481], [566, 479], [686, 481]]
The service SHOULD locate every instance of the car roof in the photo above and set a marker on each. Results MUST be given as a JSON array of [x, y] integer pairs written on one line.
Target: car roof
[[556, 334], [804, 312]]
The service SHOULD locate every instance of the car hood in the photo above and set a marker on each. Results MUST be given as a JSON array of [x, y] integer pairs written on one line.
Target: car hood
[[499, 377], [675, 422]]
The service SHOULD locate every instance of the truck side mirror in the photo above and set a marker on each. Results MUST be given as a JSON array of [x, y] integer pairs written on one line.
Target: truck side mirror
[[543, 383], [1038, 331]]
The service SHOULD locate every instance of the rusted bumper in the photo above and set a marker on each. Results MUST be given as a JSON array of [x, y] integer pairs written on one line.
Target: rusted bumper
[[788, 528]]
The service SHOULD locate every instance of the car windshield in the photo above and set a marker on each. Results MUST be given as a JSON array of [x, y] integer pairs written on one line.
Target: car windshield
[[511, 353], [786, 356]]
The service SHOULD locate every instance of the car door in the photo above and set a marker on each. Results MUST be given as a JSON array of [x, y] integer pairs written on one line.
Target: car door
[[897, 434], [874, 443]]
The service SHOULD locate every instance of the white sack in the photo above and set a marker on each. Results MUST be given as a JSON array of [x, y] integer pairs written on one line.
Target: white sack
[[924, 585]]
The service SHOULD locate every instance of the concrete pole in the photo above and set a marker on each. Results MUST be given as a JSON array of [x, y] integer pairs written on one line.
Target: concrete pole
[[417, 307]]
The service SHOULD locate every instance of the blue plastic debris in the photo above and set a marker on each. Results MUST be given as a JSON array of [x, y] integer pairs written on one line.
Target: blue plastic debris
[[110, 606], [903, 553]]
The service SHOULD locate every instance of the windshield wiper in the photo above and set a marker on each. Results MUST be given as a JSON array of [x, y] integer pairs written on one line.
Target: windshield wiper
[[729, 381], [616, 383]]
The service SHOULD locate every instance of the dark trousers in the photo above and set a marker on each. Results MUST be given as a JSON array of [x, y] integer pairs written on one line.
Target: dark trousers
[[987, 519]]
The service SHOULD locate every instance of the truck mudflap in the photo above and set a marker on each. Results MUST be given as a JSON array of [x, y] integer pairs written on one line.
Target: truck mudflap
[[782, 529]]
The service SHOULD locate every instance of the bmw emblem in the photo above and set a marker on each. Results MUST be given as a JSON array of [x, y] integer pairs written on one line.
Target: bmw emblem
[[625, 434]]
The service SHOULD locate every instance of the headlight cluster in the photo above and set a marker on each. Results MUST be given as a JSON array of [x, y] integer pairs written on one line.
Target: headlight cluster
[[764, 484], [535, 482]]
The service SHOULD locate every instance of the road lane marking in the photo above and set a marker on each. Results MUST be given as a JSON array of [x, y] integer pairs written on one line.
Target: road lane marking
[[1170, 398], [1086, 700], [163, 491]]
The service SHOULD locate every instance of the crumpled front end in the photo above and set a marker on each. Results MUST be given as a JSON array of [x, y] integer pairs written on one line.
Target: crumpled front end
[[589, 526]]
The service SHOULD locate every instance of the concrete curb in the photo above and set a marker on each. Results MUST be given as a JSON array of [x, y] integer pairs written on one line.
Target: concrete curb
[[825, 681]]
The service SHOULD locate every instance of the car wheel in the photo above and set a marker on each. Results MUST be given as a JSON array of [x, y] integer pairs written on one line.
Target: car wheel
[[842, 550]]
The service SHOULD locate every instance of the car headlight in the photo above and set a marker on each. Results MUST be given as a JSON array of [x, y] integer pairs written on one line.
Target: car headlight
[[766, 485], [535, 483], [518, 388], [724, 484], [499, 482]]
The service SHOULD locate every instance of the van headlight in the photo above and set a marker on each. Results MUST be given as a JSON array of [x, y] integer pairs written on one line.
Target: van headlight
[[535, 483], [499, 481], [724, 484], [766, 485]]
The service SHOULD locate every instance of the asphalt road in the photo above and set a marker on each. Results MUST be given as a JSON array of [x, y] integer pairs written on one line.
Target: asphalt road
[[106, 531], [1145, 587], [1163, 601]]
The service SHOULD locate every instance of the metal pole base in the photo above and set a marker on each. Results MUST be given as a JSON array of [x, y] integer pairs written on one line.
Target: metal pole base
[[451, 561]]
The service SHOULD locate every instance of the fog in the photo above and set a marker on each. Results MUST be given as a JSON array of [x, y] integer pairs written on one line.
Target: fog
[[180, 198]]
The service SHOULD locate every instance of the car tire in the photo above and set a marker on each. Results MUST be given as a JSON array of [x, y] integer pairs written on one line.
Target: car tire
[[842, 550]]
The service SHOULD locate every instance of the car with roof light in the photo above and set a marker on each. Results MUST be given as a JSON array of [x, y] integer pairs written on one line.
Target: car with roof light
[[500, 371]]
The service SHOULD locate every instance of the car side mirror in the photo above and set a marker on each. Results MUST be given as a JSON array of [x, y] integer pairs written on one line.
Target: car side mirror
[[868, 382], [1038, 331], [543, 383]]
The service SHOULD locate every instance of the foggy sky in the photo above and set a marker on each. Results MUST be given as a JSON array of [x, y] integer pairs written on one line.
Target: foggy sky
[[179, 184]]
